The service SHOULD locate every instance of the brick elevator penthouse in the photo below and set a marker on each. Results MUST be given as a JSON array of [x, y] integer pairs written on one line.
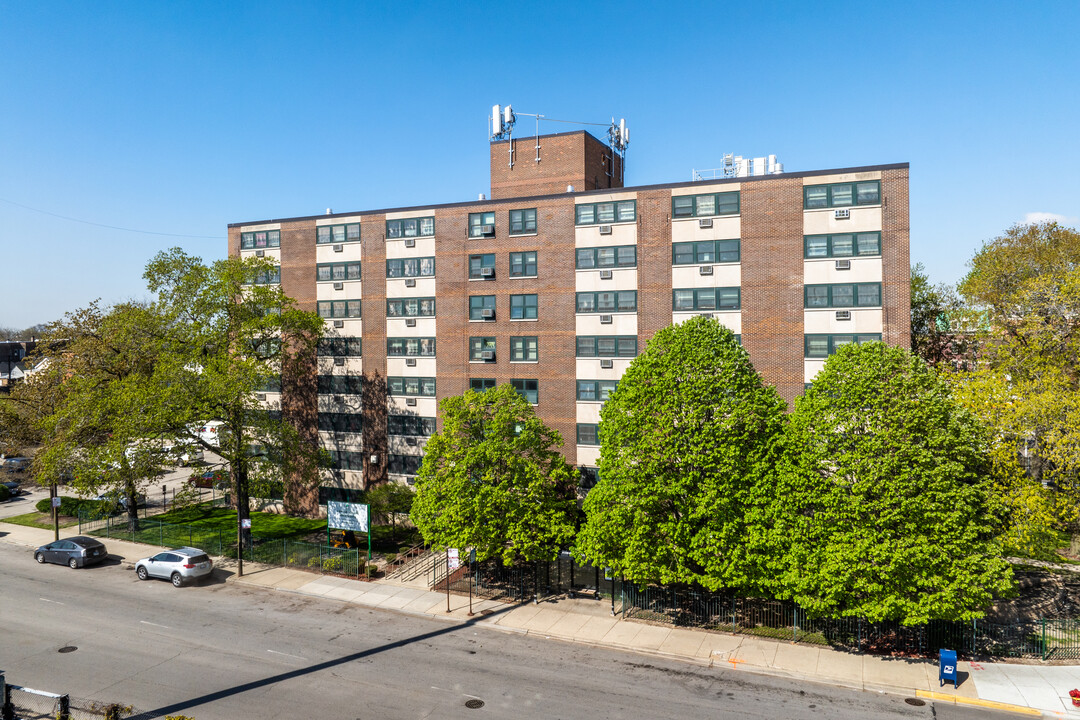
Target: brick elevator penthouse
[[556, 291]]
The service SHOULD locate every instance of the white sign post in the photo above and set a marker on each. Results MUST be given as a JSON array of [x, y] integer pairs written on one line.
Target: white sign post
[[349, 516]]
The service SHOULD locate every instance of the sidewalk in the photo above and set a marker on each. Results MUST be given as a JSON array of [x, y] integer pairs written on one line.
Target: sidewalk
[[1030, 690]]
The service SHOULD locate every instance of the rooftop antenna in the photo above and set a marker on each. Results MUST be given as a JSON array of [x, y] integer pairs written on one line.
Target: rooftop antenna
[[502, 124], [618, 139]]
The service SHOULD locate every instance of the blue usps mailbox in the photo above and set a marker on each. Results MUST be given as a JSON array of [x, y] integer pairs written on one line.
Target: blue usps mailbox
[[946, 667]]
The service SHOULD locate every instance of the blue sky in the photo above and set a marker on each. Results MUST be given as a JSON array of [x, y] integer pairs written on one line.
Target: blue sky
[[178, 118]]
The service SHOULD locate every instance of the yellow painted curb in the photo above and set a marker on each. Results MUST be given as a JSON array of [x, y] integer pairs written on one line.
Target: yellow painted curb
[[942, 697]]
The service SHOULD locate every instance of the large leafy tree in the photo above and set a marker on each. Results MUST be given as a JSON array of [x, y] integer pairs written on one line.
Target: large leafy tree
[[883, 507], [940, 323], [493, 479], [688, 440]]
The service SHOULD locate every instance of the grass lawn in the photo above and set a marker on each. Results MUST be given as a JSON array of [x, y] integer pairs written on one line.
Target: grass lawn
[[40, 520], [265, 525]]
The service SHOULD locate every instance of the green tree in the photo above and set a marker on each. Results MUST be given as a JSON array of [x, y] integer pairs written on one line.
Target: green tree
[[494, 480], [687, 442], [883, 508], [939, 322], [390, 501]]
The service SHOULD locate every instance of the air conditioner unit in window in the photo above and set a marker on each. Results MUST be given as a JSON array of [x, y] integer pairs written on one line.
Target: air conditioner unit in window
[[704, 223], [410, 441], [488, 314], [339, 399], [843, 314], [605, 229], [410, 282], [410, 242], [260, 253], [373, 460], [260, 396], [843, 264], [339, 248], [339, 323], [605, 319], [487, 355], [606, 275], [339, 286], [410, 362], [411, 402], [705, 315], [410, 322], [705, 270], [339, 361], [487, 272], [607, 363], [842, 214], [487, 230]]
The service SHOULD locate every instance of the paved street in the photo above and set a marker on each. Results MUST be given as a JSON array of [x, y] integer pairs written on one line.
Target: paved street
[[228, 651]]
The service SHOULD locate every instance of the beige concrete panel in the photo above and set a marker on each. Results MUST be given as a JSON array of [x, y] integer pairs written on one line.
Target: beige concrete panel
[[731, 319], [685, 643], [350, 290], [425, 406], [396, 288], [343, 441], [842, 666], [425, 326], [706, 188], [864, 269], [568, 626], [623, 633], [348, 404], [273, 254], [430, 212], [588, 455], [425, 366], [589, 412], [606, 197], [801, 659], [352, 366], [257, 228], [340, 220], [395, 248], [811, 367], [869, 320], [689, 276], [402, 445], [541, 621], [725, 227], [589, 368], [824, 222], [403, 480], [595, 629], [621, 324], [621, 279], [841, 177], [350, 252], [621, 234], [353, 327]]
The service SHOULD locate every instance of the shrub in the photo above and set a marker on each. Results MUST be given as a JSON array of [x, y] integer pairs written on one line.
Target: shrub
[[371, 570], [4, 493], [390, 557]]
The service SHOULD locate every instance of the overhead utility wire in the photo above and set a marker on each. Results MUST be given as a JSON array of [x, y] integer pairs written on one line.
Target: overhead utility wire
[[110, 227]]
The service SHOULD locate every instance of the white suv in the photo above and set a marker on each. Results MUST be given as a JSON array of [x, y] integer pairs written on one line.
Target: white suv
[[178, 565]]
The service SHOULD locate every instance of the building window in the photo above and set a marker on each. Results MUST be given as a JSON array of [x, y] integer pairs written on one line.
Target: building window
[[410, 227], [337, 272], [339, 309], [341, 347], [325, 234], [480, 345], [524, 349], [410, 347], [344, 460], [595, 390], [843, 245], [482, 266], [605, 213], [607, 257], [588, 434], [478, 304], [404, 464], [410, 425], [528, 389], [690, 206], [607, 302], [842, 195], [267, 277], [705, 252], [523, 264], [522, 307], [843, 295], [589, 477], [688, 300], [260, 240], [271, 384], [410, 307], [481, 224], [607, 346], [411, 386], [523, 222], [410, 267], [340, 422], [481, 384], [821, 346], [340, 384]]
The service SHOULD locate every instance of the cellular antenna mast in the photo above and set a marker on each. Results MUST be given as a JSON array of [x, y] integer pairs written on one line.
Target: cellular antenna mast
[[501, 122]]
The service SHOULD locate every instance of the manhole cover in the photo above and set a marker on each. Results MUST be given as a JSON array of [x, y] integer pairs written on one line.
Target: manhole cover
[[474, 704], [67, 649], [915, 701]]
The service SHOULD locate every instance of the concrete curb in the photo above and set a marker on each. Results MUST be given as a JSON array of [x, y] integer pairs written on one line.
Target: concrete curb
[[976, 702]]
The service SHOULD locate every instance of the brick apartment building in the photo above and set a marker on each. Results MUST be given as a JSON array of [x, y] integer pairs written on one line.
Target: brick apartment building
[[556, 290]]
